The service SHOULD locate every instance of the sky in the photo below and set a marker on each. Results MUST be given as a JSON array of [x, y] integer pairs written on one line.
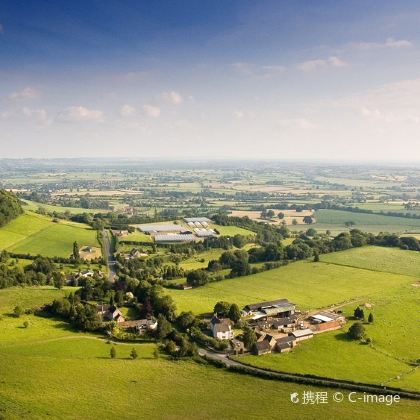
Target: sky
[[232, 79]]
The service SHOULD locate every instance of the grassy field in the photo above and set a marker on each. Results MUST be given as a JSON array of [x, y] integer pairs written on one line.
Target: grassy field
[[309, 285], [318, 356], [35, 234], [232, 230], [137, 236], [49, 371], [392, 260], [336, 219], [34, 206]]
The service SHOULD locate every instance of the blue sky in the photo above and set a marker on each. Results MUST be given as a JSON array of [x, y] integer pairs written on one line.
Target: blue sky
[[184, 79]]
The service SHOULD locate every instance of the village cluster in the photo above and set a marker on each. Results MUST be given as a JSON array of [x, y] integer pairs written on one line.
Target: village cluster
[[278, 326]]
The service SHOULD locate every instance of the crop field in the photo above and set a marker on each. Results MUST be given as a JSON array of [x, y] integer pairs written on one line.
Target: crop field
[[336, 219], [52, 359], [34, 234], [309, 285]]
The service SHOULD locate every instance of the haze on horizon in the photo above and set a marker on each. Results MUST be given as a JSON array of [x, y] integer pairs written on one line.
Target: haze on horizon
[[224, 79]]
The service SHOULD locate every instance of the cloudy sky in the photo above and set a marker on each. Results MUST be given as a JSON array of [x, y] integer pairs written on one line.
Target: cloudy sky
[[220, 78]]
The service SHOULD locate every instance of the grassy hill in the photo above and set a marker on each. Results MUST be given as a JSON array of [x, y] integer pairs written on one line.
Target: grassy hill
[[63, 374], [309, 285], [35, 234]]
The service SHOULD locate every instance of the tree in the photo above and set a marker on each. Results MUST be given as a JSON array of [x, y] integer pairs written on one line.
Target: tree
[[294, 222], [164, 327], [357, 331], [249, 337], [197, 277], [26, 324], [222, 308], [113, 352], [270, 214], [357, 313], [18, 311], [316, 256], [76, 254], [308, 220], [133, 353], [234, 313], [58, 279], [280, 216], [239, 241], [311, 232], [370, 318]]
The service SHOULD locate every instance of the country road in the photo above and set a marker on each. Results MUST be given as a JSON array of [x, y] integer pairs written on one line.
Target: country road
[[310, 380], [109, 255]]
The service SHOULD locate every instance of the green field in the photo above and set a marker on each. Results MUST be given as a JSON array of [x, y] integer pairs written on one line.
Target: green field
[[137, 236], [34, 206], [49, 371], [335, 220], [309, 285], [392, 260], [318, 356], [35, 234], [395, 343], [232, 230]]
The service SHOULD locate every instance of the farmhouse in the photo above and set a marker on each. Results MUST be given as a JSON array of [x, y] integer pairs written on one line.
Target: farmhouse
[[221, 328], [262, 347], [301, 335], [285, 344], [135, 253], [273, 308], [326, 321], [139, 325], [110, 313]]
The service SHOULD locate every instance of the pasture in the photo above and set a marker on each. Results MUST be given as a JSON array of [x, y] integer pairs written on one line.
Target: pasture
[[318, 356], [391, 260], [309, 285], [63, 374], [34, 234], [336, 219]]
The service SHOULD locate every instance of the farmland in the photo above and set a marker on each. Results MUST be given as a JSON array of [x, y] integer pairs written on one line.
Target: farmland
[[310, 285], [335, 220], [52, 360], [35, 234]]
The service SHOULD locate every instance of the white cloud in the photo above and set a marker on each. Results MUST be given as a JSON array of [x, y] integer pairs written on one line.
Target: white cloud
[[240, 114], [173, 97], [26, 93], [391, 104], [39, 116], [151, 111], [80, 114], [250, 69], [127, 111], [311, 65], [297, 123], [388, 43]]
